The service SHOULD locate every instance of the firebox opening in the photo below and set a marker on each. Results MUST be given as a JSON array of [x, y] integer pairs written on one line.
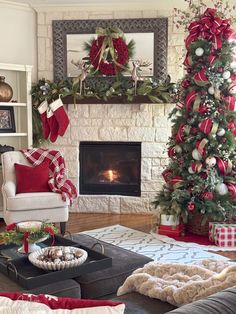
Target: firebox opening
[[110, 168]]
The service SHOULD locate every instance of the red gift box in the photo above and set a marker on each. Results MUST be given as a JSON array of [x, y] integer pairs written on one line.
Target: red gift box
[[225, 236], [170, 230], [213, 226]]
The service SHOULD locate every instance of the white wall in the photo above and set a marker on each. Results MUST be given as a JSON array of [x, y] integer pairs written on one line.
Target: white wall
[[18, 35]]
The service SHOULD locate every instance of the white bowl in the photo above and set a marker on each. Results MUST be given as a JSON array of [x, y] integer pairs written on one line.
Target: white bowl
[[33, 258]]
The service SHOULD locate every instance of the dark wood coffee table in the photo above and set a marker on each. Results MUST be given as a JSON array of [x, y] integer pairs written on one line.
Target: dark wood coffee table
[[18, 267]]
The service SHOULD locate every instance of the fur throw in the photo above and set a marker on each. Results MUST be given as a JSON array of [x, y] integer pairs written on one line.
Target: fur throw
[[180, 284]]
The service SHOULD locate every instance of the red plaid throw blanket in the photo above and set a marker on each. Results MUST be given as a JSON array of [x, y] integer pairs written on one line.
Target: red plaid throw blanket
[[58, 181]]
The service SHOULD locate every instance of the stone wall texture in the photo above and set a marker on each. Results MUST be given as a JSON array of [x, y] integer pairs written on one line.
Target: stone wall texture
[[146, 123]]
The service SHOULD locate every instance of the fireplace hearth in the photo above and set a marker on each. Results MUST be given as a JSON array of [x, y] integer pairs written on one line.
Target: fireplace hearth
[[110, 168]]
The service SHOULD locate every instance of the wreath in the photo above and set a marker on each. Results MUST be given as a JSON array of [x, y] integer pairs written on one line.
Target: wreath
[[109, 53]]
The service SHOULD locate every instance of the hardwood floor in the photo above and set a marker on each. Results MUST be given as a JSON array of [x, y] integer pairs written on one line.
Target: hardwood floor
[[80, 222]]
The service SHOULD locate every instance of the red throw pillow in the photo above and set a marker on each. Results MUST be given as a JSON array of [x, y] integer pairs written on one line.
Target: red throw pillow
[[57, 304], [32, 179]]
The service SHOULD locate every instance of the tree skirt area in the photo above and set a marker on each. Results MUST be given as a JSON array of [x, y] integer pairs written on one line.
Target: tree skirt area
[[158, 247]]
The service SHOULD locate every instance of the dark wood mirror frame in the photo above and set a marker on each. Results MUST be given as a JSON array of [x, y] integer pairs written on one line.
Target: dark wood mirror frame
[[158, 26]]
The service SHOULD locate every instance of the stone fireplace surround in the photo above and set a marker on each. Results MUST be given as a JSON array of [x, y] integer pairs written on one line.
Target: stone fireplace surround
[[145, 123]]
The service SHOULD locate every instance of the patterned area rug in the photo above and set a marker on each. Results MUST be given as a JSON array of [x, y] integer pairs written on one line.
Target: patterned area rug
[[150, 245]]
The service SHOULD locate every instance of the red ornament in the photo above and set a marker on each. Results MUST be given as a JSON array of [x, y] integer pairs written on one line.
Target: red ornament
[[185, 83], [107, 67], [208, 196], [191, 206]]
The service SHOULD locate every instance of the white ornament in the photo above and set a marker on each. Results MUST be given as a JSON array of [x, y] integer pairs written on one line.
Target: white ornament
[[210, 161], [196, 155], [199, 52], [226, 75], [190, 170], [221, 188], [232, 89], [178, 149], [233, 65], [221, 132], [211, 90]]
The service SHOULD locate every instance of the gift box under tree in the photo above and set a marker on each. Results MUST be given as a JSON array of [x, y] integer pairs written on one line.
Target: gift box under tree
[[225, 236], [213, 226]]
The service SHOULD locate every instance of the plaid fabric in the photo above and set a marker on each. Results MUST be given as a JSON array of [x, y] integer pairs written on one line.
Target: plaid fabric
[[212, 229], [58, 181], [225, 236]]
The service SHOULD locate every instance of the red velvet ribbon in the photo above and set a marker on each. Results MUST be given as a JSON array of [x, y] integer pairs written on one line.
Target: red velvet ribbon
[[176, 182], [206, 125], [11, 227], [232, 188], [166, 174], [200, 78], [171, 152], [26, 241], [190, 98], [180, 134], [230, 102], [209, 27]]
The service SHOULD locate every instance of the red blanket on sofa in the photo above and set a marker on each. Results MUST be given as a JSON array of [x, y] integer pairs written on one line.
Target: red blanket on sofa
[[58, 181]]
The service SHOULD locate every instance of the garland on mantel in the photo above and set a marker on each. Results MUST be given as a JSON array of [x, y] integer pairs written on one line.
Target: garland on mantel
[[150, 90]]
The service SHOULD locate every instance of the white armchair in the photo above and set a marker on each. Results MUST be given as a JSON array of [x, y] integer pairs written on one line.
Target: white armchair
[[44, 206]]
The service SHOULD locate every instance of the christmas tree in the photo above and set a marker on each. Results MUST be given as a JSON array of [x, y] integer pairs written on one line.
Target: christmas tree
[[200, 177]]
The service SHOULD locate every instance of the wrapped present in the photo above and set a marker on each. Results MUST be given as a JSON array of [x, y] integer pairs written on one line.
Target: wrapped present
[[170, 230], [225, 236], [169, 220], [212, 229]]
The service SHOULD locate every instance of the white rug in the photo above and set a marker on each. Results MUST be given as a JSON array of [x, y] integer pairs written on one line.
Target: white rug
[[150, 245]]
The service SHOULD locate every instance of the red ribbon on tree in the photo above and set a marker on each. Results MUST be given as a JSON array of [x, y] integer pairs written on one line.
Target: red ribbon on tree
[[171, 152], [11, 226], [190, 98], [211, 59], [232, 188], [206, 125], [200, 146], [224, 166], [200, 78], [211, 28], [180, 134], [166, 174], [188, 60], [230, 103], [176, 182]]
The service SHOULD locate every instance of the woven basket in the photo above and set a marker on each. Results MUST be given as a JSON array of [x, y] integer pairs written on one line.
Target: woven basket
[[194, 224]]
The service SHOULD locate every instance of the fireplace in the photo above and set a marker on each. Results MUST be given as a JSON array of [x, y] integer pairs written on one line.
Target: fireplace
[[110, 168]]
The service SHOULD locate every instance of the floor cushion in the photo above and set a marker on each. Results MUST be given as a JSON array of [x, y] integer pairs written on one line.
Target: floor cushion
[[107, 281]]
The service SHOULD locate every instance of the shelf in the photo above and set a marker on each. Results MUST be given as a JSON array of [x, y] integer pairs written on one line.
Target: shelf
[[13, 104], [13, 134]]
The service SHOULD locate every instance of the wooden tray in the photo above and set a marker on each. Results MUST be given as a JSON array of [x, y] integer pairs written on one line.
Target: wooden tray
[[18, 268]]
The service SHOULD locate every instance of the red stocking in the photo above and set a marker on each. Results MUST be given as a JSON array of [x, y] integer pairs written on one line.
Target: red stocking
[[43, 114], [61, 115], [53, 125]]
